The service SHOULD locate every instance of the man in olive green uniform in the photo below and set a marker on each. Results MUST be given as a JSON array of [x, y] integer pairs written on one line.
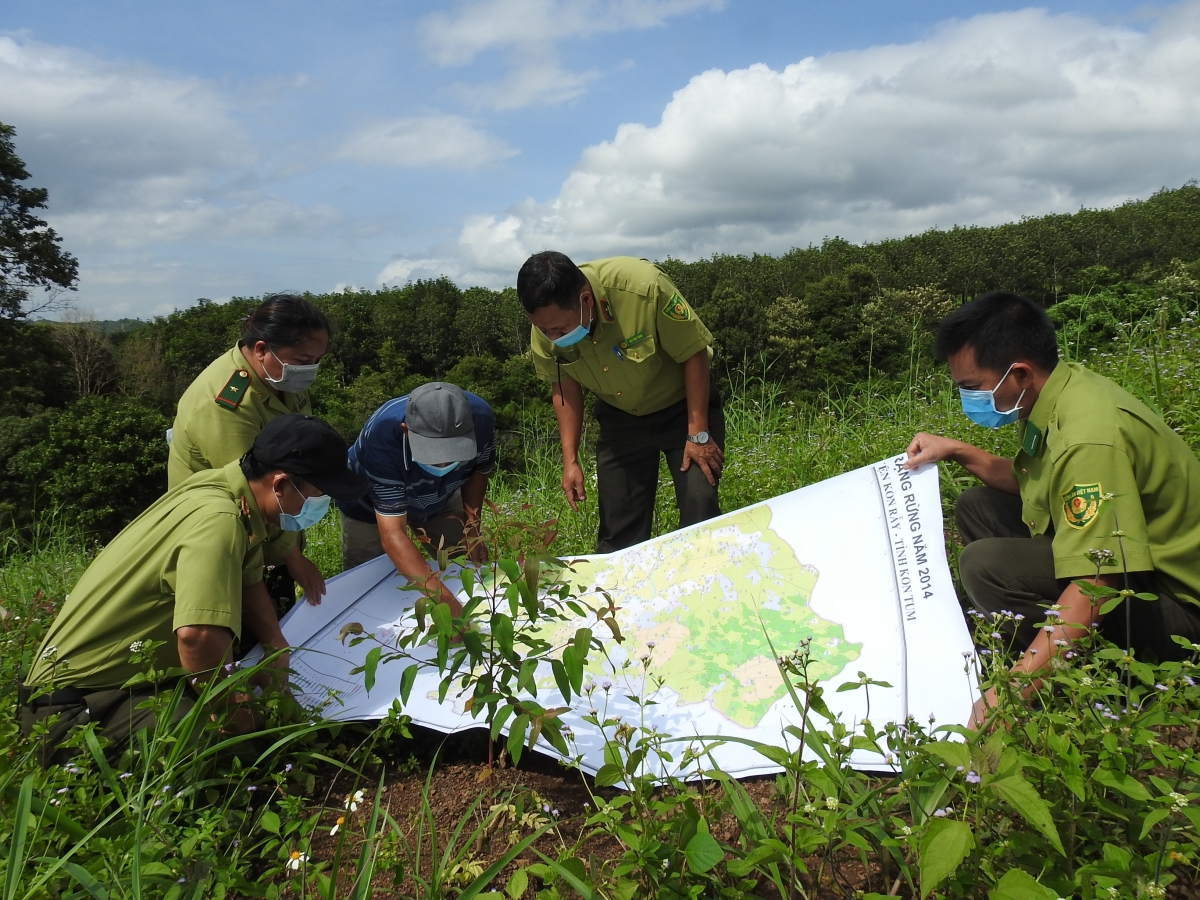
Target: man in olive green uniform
[[216, 421], [620, 328], [177, 574], [267, 374], [1099, 475]]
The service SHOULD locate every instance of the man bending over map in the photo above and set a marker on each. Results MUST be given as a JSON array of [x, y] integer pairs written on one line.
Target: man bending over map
[[1093, 461]]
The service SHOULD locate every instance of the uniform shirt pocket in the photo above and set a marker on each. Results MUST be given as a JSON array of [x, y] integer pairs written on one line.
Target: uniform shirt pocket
[[1036, 518]]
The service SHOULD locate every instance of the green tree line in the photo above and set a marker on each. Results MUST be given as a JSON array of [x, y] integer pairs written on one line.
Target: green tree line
[[84, 405]]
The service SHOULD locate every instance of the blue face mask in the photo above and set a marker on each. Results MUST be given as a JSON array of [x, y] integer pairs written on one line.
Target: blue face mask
[[980, 406], [577, 334], [310, 514], [438, 471]]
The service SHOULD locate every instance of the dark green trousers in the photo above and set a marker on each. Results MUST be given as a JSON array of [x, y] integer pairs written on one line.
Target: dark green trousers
[[116, 713], [627, 470], [1003, 568]]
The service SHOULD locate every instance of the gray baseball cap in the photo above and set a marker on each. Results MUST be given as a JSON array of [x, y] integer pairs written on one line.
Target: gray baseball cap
[[440, 427]]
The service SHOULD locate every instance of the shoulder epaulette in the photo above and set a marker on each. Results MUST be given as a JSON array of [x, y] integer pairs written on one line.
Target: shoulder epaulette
[[234, 392]]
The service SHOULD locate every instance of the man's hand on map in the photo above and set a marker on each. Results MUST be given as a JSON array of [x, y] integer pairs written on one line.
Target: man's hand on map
[[307, 575], [434, 583], [572, 484], [930, 448]]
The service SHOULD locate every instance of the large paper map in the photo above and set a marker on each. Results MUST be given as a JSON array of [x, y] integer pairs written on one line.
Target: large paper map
[[855, 565]]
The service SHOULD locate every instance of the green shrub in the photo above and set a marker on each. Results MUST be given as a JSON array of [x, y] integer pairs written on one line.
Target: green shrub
[[103, 460]]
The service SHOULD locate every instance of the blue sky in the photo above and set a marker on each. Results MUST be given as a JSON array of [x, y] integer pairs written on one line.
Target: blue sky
[[221, 149]]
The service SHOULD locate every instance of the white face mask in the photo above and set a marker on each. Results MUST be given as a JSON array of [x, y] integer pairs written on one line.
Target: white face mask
[[294, 378]]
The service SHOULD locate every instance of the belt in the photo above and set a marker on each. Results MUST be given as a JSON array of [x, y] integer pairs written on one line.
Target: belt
[[67, 696]]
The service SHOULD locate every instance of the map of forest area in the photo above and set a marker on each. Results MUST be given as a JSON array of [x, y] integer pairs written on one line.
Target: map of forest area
[[854, 565]]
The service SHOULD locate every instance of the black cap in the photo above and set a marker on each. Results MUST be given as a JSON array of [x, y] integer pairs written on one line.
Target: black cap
[[308, 448]]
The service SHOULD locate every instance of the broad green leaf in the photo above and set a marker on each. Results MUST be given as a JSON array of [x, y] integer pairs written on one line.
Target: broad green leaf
[[561, 679], [583, 642], [574, 666], [516, 737], [703, 852], [1153, 819], [407, 679], [517, 884], [502, 631], [443, 620], [1021, 796], [269, 821], [1111, 605], [944, 846], [953, 753], [370, 667], [502, 715], [608, 775], [525, 677], [1120, 781], [1017, 884]]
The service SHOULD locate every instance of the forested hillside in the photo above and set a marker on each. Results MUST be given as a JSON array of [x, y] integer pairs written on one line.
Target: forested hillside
[[84, 405]]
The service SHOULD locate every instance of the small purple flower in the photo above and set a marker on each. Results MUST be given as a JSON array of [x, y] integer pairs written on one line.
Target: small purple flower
[[251, 788], [997, 635], [1054, 613], [972, 778], [1019, 617], [1161, 687], [1048, 628], [1190, 681], [287, 768]]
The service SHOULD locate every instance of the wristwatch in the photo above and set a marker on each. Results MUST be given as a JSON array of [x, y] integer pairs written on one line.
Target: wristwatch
[[700, 437]]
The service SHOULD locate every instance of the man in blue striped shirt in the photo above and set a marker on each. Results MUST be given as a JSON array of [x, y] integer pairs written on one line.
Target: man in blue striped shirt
[[427, 457]]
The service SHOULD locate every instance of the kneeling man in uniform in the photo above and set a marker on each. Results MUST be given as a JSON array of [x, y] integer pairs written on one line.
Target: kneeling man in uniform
[[1099, 476], [177, 575]]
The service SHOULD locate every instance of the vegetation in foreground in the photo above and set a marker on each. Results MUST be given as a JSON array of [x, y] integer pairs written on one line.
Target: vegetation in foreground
[[1091, 791]]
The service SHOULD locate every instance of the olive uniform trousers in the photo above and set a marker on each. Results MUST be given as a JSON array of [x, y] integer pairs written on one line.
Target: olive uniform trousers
[[1003, 568], [117, 712], [627, 452]]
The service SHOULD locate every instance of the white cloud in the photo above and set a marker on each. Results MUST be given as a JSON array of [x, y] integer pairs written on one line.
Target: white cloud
[[986, 120], [528, 33], [436, 140], [134, 156]]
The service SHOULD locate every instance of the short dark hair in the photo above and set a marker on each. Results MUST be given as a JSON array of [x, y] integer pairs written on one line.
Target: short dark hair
[[549, 277], [283, 320], [1002, 328]]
